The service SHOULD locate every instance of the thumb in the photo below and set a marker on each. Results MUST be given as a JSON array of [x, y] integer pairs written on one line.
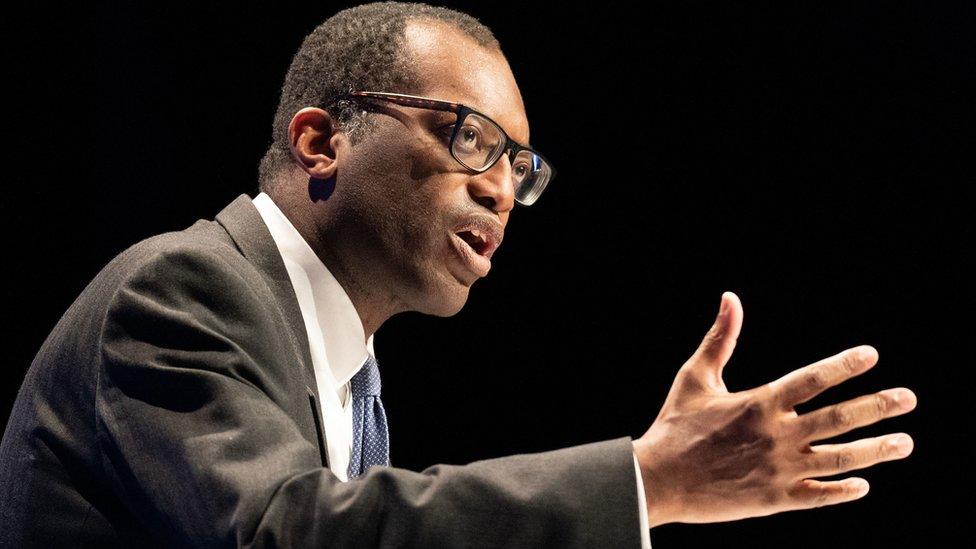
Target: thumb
[[717, 346]]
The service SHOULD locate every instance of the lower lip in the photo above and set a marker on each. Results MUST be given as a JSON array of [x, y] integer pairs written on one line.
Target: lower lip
[[478, 264]]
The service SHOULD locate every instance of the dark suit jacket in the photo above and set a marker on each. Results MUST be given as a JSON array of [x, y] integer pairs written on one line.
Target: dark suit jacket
[[175, 404]]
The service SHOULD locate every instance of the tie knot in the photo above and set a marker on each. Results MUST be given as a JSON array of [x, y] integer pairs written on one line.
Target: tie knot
[[366, 382]]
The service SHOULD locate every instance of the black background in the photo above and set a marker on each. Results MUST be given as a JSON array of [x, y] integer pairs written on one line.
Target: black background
[[816, 161]]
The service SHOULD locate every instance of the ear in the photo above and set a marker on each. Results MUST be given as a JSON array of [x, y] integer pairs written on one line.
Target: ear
[[312, 138]]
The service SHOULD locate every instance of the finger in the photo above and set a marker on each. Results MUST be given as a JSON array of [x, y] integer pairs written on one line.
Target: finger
[[864, 410], [832, 459], [810, 493], [716, 348], [805, 383]]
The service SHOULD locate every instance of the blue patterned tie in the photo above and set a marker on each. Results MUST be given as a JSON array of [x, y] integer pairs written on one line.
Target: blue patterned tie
[[370, 439]]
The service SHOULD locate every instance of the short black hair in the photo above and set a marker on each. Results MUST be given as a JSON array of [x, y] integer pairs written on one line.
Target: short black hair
[[360, 48]]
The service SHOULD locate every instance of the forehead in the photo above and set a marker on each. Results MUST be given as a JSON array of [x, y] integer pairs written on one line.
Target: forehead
[[453, 67]]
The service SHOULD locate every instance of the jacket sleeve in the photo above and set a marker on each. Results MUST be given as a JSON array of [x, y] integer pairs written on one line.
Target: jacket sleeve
[[197, 445]]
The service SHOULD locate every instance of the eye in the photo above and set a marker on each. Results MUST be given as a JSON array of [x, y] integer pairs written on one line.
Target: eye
[[520, 171], [468, 139]]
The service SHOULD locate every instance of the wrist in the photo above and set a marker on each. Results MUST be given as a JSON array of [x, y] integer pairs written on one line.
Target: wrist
[[659, 504]]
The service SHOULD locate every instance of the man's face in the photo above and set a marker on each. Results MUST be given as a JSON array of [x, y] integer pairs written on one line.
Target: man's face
[[408, 194]]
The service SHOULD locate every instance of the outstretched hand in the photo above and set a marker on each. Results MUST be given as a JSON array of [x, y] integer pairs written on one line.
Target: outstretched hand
[[713, 456]]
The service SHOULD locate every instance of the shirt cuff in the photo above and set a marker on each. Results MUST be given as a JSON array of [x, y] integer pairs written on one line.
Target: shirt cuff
[[645, 528]]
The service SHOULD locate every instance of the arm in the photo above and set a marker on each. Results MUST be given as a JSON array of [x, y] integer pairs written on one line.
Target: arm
[[712, 455], [196, 441]]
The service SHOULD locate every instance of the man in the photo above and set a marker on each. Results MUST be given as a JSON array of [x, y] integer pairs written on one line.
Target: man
[[217, 385]]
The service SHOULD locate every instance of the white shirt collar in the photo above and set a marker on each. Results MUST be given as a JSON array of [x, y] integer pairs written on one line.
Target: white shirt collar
[[346, 347]]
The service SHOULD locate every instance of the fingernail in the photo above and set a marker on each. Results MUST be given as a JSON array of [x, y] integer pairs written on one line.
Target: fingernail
[[866, 353], [724, 306], [902, 445], [903, 400]]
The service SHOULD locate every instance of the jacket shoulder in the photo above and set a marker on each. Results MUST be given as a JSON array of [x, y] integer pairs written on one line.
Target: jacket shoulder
[[185, 263], [203, 239]]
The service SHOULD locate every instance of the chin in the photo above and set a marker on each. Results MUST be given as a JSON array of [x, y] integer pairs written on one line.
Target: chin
[[444, 299], [447, 306], [440, 291]]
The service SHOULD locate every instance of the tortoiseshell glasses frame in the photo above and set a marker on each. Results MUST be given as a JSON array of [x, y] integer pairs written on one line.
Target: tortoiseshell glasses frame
[[482, 142]]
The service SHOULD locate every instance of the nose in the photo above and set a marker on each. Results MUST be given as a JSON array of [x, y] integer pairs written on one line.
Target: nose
[[493, 188]]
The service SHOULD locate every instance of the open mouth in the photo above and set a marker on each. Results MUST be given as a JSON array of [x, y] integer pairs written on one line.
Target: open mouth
[[475, 241], [482, 234]]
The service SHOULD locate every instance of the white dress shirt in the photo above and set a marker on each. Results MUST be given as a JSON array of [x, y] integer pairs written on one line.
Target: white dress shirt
[[336, 339], [337, 342]]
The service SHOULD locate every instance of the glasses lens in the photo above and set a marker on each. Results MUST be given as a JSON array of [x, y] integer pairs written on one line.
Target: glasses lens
[[530, 174], [478, 142]]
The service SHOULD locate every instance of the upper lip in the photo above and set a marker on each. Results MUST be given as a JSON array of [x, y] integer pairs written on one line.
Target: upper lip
[[490, 231]]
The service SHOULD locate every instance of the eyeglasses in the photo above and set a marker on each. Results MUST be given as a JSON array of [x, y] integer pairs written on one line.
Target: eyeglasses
[[477, 143]]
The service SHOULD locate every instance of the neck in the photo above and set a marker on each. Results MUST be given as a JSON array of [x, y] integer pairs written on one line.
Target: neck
[[374, 307], [372, 302]]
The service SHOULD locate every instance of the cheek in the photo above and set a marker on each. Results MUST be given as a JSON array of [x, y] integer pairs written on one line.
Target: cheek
[[410, 198], [399, 174], [421, 201], [421, 237], [421, 218]]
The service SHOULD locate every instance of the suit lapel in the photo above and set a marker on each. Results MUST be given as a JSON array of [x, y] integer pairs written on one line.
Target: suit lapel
[[244, 224]]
